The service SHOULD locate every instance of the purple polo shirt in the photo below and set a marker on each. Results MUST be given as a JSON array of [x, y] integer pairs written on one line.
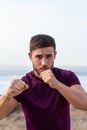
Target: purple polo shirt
[[44, 107]]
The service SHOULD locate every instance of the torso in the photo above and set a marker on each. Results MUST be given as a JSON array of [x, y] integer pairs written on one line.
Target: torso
[[44, 107]]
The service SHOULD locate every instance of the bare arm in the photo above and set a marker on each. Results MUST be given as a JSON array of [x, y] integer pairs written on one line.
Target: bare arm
[[6, 105], [7, 102], [75, 94]]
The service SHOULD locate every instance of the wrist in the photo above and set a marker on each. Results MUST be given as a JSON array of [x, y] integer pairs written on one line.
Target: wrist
[[54, 83], [6, 96]]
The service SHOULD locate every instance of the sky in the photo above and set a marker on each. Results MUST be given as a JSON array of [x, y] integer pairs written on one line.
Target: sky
[[65, 20]]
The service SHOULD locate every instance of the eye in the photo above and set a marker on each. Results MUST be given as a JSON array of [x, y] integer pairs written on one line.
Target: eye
[[49, 56], [38, 56]]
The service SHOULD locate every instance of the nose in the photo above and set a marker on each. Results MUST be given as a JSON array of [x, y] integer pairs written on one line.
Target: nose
[[44, 62]]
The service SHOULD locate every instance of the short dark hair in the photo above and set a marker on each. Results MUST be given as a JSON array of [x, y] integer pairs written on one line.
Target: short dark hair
[[41, 41]]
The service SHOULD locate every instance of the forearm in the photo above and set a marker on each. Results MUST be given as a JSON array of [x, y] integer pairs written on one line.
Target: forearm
[[5, 106], [7, 102], [4, 100], [76, 97]]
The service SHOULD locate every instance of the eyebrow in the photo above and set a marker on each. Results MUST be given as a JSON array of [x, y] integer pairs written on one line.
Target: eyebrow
[[40, 55]]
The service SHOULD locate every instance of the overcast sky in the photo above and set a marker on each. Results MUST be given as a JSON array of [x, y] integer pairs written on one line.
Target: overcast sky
[[65, 20]]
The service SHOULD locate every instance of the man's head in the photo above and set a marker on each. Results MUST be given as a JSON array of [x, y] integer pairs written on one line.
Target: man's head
[[42, 52], [41, 41]]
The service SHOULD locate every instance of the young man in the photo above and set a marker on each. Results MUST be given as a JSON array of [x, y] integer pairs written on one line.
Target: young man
[[45, 92]]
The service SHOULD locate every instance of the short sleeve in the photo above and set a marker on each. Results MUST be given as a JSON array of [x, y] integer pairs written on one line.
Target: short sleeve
[[73, 79]]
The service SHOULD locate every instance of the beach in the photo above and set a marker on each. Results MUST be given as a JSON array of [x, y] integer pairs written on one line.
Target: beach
[[15, 120]]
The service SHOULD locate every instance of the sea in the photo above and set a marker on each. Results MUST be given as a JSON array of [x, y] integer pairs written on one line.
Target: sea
[[10, 72]]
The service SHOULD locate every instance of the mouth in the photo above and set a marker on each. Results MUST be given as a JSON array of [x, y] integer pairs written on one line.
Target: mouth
[[43, 69]]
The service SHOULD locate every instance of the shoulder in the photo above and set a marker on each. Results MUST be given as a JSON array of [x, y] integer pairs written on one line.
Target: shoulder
[[27, 77], [62, 72], [67, 76]]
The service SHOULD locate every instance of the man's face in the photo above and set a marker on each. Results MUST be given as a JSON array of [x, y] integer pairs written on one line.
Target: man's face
[[42, 59]]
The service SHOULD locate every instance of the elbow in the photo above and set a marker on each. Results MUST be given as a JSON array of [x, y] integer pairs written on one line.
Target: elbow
[[1, 118], [81, 107]]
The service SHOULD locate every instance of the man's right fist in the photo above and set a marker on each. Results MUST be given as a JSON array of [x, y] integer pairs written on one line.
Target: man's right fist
[[16, 87]]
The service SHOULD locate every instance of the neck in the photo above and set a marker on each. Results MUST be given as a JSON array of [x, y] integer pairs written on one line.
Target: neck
[[37, 74]]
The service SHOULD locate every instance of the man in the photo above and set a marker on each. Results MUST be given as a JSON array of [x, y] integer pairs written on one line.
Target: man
[[45, 92]]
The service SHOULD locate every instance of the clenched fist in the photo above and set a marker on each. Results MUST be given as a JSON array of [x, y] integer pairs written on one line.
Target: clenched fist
[[48, 77], [16, 87]]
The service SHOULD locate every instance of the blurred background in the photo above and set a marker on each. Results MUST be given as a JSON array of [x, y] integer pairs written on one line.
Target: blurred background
[[66, 21]]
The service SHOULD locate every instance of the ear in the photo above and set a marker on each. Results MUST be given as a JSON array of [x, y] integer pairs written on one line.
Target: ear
[[55, 53], [30, 55]]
